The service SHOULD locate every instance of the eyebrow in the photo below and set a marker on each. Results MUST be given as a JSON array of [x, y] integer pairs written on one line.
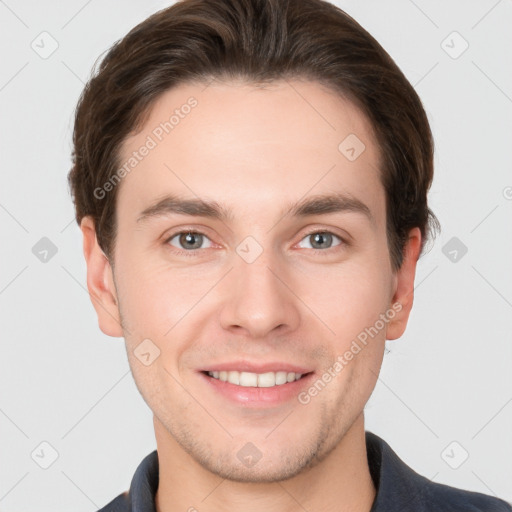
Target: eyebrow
[[320, 204]]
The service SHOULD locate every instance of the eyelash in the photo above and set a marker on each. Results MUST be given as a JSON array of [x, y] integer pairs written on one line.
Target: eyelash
[[193, 252]]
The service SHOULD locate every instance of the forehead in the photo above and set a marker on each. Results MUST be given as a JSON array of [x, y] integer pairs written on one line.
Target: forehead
[[252, 148]]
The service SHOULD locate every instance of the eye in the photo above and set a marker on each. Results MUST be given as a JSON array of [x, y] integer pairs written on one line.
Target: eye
[[322, 240], [190, 240]]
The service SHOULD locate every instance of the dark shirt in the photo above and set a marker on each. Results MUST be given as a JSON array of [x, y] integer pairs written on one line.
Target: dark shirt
[[398, 487]]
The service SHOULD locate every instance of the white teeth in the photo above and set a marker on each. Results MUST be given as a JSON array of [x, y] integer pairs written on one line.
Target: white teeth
[[266, 380], [248, 379], [260, 380], [281, 378], [233, 377]]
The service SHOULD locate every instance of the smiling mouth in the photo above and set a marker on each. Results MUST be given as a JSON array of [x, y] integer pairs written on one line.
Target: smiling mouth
[[260, 380]]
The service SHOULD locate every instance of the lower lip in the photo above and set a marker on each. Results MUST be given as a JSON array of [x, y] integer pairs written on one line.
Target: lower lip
[[258, 397]]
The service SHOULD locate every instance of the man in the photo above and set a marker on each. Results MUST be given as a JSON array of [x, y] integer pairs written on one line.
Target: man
[[251, 178]]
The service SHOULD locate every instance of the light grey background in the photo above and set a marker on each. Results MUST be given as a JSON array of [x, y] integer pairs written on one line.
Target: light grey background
[[65, 383]]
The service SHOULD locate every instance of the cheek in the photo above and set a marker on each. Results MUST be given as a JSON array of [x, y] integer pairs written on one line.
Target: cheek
[[349, 297], [353, 306], [160, 303], [146, 302]]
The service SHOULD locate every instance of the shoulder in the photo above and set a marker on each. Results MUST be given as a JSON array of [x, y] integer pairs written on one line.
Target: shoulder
[[141, 495], [119, 504], [419, 494], [399, 487], [441, 497]]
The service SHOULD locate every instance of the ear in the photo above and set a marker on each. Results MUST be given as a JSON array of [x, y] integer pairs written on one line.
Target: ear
[[404, 286], [100, 281]]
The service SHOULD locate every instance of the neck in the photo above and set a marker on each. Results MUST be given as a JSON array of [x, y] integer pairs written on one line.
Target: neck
[[340, 482]]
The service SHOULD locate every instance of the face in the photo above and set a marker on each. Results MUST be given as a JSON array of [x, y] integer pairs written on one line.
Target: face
[[260, 279]]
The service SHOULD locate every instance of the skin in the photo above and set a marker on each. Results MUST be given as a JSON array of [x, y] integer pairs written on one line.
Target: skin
[[253, 150]]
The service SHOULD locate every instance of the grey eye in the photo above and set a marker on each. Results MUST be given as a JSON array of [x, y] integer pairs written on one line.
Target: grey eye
[[190, 240], [321, 240]]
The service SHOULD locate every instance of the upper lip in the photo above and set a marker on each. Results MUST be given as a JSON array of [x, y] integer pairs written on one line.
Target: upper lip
[[247, 366]]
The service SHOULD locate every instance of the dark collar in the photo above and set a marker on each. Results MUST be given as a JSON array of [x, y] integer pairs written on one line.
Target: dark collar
[[399, 488]]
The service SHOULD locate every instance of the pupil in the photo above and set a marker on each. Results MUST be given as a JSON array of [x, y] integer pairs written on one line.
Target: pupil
[[188, 238], [321, 237]]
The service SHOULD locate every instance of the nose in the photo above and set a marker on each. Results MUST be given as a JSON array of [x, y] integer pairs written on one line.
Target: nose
[[259, 298]]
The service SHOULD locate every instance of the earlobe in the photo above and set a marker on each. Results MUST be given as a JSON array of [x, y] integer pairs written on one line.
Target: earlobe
[[100, 281], [403, 297]]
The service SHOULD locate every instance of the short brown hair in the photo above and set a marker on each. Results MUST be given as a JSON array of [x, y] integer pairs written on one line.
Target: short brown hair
[[258, 41]]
